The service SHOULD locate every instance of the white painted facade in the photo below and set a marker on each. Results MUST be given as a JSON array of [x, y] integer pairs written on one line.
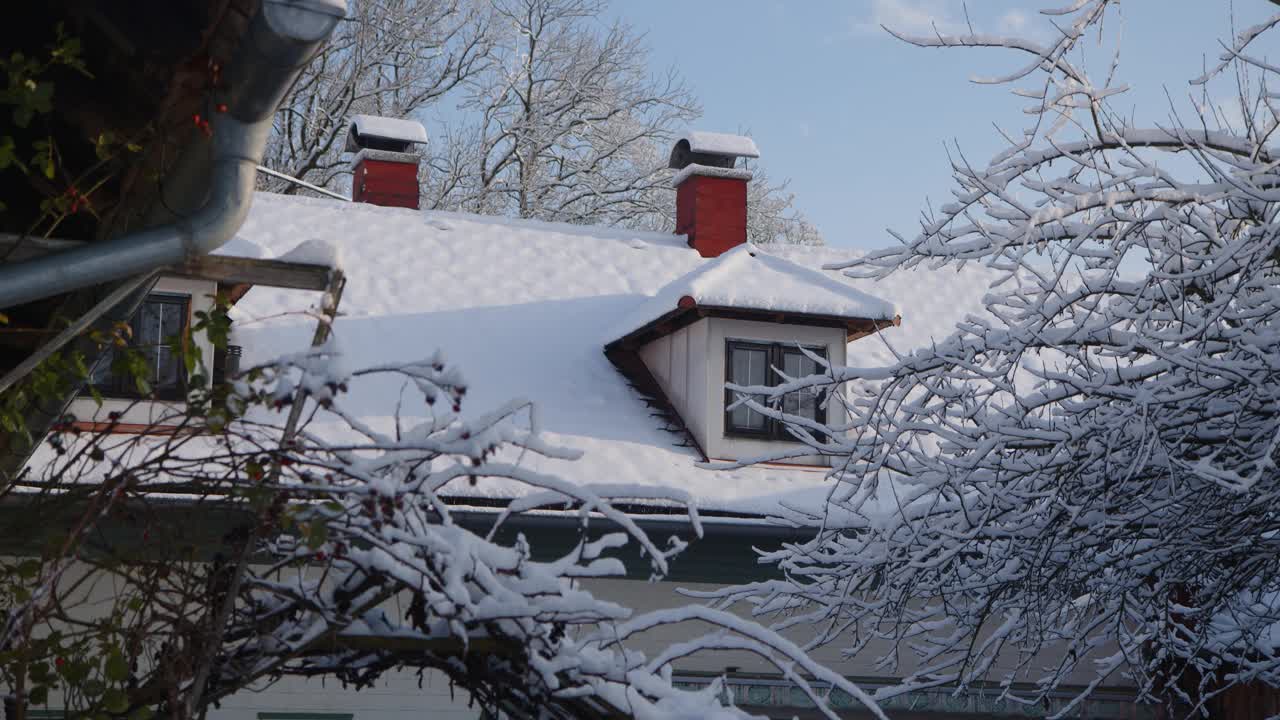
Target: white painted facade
[[400, 696]]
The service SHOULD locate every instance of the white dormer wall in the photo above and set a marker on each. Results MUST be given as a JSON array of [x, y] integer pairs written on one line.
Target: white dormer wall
[[679, 362], [147, 412], [689, 365]]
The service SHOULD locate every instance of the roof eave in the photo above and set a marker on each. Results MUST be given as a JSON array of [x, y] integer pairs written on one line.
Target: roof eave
[[688, 311]]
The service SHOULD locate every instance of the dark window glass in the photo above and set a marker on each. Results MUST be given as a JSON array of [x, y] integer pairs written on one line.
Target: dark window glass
[[750, 363], [160, 319], [805, 403], [750, 366]]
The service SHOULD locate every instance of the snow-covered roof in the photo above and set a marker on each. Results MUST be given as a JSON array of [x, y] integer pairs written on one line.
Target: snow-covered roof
[[746, 278], [525, 309], [410, 131], [714, 143]]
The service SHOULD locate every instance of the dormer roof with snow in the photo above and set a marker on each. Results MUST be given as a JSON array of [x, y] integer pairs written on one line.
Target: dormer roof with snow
[[751, 283]]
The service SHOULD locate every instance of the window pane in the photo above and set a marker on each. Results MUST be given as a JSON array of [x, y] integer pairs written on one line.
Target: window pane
[[805, 403], [102, 371], [147, 324], [158, 320], [749, 366], [165, 373]]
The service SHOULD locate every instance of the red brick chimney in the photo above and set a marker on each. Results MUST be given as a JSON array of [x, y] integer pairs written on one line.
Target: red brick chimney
[[385, 170], [711, 194]]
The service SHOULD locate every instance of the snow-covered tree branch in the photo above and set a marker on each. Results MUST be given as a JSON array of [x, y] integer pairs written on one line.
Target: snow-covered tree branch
[[341, 555], [1080, 484], [388, 57]]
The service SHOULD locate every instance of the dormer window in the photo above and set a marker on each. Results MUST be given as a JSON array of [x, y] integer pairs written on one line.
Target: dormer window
[[750, 362], [160, 318]]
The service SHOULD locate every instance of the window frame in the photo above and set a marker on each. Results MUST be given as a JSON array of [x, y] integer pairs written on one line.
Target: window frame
[[774, 430], [124, 388]]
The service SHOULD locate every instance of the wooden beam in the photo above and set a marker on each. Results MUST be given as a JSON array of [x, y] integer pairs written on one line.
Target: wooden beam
[[120, 428], [229, 270], [250, 271]]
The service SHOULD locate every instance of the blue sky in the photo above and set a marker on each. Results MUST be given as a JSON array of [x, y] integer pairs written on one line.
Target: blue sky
[[858, 120]]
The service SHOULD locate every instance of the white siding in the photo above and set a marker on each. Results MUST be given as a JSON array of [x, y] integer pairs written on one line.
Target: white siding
[[679, 382], [679, 363], [657, 356], [695, 411]]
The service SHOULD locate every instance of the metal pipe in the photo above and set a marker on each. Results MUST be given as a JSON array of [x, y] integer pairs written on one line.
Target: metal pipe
[[302, 183], [115, 297], [280, 40]]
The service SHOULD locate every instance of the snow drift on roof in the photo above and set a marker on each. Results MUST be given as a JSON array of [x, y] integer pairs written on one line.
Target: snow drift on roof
[[748, 279], [390, 128], [713, 143]]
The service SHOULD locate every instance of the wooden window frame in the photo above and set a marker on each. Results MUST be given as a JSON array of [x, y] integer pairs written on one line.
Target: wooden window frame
[[117, 388], [774, 430]]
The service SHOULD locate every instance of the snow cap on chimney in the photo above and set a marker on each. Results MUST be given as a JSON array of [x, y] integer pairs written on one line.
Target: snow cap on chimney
[[711, 194], [384, 169]]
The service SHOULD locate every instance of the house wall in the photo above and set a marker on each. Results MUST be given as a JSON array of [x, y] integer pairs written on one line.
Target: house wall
[[148, 412], [679, 363], [405, 696], [717, 444]]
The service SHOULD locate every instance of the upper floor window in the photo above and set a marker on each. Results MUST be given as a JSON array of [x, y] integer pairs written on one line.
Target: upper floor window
[[160, 319], [753, 363]]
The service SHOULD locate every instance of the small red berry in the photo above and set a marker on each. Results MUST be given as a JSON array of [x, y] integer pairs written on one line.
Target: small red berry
[[60, 661], [222, 107]]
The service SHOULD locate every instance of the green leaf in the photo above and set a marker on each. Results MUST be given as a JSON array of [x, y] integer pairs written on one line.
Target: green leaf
[[317, 534], [143, 713], [102, 146], [116, 668], [7, 154], [115, 700], [40, 673], [28, 569], [38, 695]]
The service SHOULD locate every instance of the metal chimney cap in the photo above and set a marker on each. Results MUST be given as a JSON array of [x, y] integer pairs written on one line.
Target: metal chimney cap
[[711, 149], [384, 133]]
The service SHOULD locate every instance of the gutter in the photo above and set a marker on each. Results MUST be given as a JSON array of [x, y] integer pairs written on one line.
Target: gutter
[[279, 42]]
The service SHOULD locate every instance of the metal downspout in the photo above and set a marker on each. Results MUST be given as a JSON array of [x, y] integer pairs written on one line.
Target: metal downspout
[[280, 40]]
